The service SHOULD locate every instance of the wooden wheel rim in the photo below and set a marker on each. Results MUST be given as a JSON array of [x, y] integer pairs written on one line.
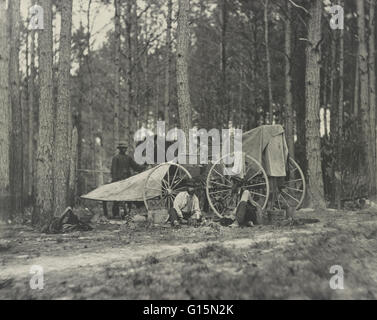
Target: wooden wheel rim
[[179, 167], [301, 179], [260, 169]]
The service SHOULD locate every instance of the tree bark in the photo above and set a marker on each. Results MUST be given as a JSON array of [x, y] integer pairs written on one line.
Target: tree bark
[[128, 105], [168, 69], [78, 123], [43, 210], [4, 113], [289, 118], [27, 130], [183, 91], [32, 123], [16, 173], [135, 109], [268, 63], [63, 112], [88, 60], [312, 82], [372, 94], [225, 109], [333, 96], [356, 95], [117, 75], [338, 181], [72, 185], [364, 93]]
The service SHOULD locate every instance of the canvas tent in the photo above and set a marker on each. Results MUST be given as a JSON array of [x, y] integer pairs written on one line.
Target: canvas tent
[[131, 189]]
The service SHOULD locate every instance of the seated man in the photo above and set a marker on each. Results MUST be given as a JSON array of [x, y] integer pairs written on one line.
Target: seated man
[[186, 205], [246, 212]]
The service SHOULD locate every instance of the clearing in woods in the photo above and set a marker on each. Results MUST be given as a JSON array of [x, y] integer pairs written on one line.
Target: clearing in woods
[[133, 262]]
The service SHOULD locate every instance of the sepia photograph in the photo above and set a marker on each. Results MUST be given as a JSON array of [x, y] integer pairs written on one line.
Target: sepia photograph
[[198, 153]]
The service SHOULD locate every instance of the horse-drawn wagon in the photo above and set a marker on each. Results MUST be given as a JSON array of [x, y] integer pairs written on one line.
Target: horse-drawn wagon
[[271, 176]]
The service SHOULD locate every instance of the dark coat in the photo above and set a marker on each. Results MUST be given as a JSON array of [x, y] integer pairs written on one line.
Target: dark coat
[[121, 167]]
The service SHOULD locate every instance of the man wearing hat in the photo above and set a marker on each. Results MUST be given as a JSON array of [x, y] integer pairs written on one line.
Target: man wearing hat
[[185, 206], [121, 166]]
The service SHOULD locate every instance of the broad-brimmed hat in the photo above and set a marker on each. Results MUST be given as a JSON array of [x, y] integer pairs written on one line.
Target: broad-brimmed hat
[[122, 144]]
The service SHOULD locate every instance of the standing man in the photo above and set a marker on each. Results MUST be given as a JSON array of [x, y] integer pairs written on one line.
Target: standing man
[[185, 206], [121, 166]]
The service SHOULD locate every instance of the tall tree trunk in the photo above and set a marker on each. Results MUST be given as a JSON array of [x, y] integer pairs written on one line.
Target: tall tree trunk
[[135, 110], [372, 94], [183, 91], [333, 95], [157, 101], [25, 113], [78, 123], [147, 90], [32, 122], [43, 211], [63, 112], [268, 63], [72, 185], [88, 60], [168, 69], [16, 173], [364, 93], [289, 121], [312, 82], [338, 181], [299, 67], [99, 152], [325, 102], [117, 75], [356, 95], [128, 105], [238, 119], [225, 109], [4, 113]]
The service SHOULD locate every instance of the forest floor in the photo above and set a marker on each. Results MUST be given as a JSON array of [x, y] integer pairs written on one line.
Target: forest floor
[[118, 261]]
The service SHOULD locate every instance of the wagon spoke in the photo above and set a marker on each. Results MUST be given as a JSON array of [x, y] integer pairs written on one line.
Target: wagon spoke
[[223, 176], [293, 168], [260, 171], [299, 190], [178, 182], [259, 194], [221, 184], [291, 196], [284, 199], [254, 185], [167, 186], [215, 192], [175, 174], [174, 191]]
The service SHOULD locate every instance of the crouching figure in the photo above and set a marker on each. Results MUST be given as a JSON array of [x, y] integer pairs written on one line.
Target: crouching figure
[[185, 207], [246, 214]]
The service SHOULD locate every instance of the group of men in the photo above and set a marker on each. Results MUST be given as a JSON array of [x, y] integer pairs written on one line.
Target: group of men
[[186, 204]]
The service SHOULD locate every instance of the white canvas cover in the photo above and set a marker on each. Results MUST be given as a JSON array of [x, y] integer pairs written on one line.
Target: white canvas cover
[[268, 146], [131, 189]]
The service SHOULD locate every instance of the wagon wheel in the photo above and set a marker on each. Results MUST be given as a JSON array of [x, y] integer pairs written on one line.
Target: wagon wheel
[[224, 191], [291, 190], [168, 187]]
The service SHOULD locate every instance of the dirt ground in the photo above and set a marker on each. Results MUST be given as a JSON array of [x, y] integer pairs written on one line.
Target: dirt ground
[[132, 261]]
